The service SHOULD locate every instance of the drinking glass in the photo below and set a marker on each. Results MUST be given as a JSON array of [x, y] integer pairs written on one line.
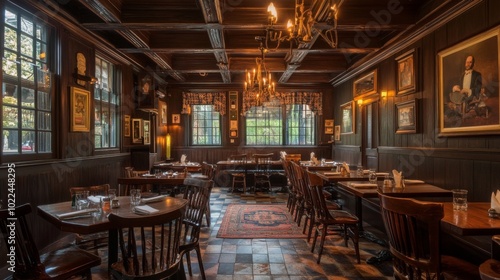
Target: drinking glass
[[372, 177], [135, 197], [81, 200], [359, 171], [112, 194], [459, 199]]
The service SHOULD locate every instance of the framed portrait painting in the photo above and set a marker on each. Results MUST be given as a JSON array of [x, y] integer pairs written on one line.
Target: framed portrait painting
[[406, 67], [146, 132], [126, 129], [163, 112], [137, 131], [468, 86], [365, 86], [80, 110], [347, 111], [406, 117]]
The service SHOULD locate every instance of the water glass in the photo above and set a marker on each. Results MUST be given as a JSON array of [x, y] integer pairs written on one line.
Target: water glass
[[112, 194], [359, 171], [372, 177], [97, 207], [135, 197], [81, 200], [459, 199]]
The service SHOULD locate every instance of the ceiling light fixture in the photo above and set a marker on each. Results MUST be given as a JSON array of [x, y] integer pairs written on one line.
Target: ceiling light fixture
[[304, 27]]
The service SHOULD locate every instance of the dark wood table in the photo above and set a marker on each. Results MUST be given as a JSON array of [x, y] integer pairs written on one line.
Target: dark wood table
[[474, 221], [164, 180], [191, 166], [334, 177], [90, 224], [247, 165]]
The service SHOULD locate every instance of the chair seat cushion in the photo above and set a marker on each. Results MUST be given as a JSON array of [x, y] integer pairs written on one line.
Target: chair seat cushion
[[64, 262], [455, 268], [343, 216]]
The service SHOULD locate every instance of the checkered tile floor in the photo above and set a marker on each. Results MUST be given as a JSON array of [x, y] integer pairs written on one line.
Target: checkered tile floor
[[274, 258]]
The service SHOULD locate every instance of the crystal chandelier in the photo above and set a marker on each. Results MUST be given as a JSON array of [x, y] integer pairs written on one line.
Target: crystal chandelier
[[304, 27], [259, 86]]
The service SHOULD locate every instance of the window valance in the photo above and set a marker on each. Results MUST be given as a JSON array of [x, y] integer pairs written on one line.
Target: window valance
[[217, 99], [313, 99]]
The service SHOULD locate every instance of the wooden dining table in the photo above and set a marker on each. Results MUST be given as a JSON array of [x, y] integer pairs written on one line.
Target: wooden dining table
[[474, 221], [165, 180], [190, 166], [89, 224]]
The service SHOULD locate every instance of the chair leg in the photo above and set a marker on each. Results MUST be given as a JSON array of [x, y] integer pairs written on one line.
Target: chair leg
[[314, 239], [311, 226], [188, 261], [322, 243], [207, 213], [200, 262]]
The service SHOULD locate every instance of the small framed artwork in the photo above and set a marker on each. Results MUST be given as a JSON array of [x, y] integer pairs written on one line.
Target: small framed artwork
[[163, 112], [407, 70], [146, 130], [80, 110], [126, 129], [176, 118], [365, 86], [337, 133], [406, 117], [233, 133], [328, 123], [328, 130], [347, 111], [137, 131]]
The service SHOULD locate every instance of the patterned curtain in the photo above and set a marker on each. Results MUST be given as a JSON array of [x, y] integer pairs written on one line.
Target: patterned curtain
[[218, 99], [313, 99]]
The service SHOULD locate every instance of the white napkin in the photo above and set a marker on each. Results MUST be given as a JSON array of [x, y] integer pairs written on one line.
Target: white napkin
[[145, 209], [94, 198], [495, 201], [397, 178], [154, 199], [346, 166], [315, 161], [75, 213], [183, 158], [364, 185]]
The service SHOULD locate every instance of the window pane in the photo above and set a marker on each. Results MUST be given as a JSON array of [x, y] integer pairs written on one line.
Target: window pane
[[28, 142], [10, 117], [44, 142], [10, 141], [10, 39], [264, 126], [27, 69], [28, 118], [10, 18], [9, 64], [27, 26], [44, 121], [205, 123], [44, 100], [28, 97], [26, 45], [300, 125]]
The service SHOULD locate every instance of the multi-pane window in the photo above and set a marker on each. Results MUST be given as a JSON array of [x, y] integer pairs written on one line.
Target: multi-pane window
[[205, 123], [106, 101], [300, 125], [26, 85], [264, 126]]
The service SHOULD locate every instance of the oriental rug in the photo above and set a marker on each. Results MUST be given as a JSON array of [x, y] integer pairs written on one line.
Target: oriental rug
[[258, 221]]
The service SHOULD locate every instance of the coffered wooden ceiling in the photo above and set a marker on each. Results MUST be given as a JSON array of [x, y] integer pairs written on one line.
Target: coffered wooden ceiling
[[210, 43]]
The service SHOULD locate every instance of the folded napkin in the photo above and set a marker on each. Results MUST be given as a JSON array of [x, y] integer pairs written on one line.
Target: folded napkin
[[364, 185], [495, 201], [145, 209], [183, 159], [346, 166], [331, 173], [75, 213], [94, 198], [154, 198], [409, 181], [382, 174], [397, 178]]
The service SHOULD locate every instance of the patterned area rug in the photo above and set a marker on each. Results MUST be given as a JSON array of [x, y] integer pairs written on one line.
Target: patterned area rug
[[258, 221]]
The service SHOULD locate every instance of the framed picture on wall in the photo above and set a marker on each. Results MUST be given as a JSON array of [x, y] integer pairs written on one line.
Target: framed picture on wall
[[146, 133], [365, 85], [337, 133], [347, 111], [407, 69], [163, 112], [137, 131], [126, 129], [176, 118], [406, 117], [470, 105], [80, 110]]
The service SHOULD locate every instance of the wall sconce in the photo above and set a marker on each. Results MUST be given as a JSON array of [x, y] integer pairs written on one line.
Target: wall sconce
[[168, 146], [360, 102], [383, 94]]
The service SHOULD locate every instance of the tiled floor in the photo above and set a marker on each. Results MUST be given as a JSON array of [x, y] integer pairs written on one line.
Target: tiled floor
[[275, 258]]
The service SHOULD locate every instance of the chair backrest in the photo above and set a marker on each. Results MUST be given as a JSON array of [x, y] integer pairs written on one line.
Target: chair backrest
[[130, 172], [240, 158], [263, 161], [93, 190], [294, 157], [208, 170], [26, 253], [197, 192], [413, 228], [321, 210], [149, 245]]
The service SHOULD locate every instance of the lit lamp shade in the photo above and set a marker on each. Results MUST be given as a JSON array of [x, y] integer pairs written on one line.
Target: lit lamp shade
[[167, 145]]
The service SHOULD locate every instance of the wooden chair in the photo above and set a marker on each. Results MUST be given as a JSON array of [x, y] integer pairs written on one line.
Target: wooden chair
[[130, 173], [149, 245], [99, 239], [294, 157], [331, 222], [238, 171], [262, 172], [197, 192], [208, 170], [413, 229], [59, 264]]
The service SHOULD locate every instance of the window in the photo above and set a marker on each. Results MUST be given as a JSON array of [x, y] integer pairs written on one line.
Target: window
[[300, 122], [205, 123], [106, 101], [264, 126], [27, 98]]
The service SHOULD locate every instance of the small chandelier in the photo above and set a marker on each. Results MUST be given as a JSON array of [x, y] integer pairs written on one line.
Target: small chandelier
[[304, 26], [259, 87]]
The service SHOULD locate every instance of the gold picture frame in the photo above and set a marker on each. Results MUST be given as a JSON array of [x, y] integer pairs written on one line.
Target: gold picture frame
[[406, 117], [163, 112], [80, 110], [146, 132], [337, 133], [348, 121], [176, 118], [329, 126], [137, 131], [365, 85], [126, 129], [406, 75]]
